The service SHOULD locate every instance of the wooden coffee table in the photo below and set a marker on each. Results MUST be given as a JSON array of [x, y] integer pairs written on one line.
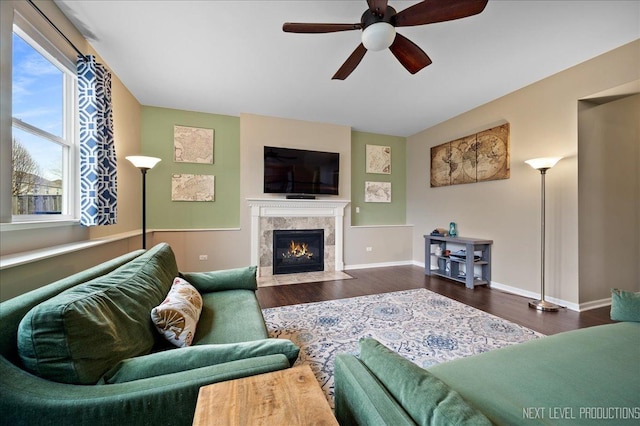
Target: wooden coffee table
[[286, 397]]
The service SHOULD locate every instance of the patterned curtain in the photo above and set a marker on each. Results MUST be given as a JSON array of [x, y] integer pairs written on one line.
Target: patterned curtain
[[98, 184]]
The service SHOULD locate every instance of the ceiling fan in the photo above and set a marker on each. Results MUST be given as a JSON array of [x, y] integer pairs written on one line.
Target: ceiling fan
[[378, 25]]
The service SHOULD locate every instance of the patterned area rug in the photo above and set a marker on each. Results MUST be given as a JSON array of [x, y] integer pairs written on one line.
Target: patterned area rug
[[420, 325]]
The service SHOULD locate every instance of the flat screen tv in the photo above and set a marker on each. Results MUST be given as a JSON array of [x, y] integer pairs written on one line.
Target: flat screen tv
[[300, 172]]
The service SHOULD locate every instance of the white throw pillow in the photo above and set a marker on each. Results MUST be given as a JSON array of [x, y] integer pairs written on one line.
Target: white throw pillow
[[177, 316]]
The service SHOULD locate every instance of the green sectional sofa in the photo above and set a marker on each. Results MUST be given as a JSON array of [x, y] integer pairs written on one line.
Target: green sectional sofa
[[84, 350], [582, 377]]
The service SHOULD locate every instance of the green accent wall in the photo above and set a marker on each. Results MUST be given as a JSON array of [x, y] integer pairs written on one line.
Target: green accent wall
[[393, 213], [157, 141]]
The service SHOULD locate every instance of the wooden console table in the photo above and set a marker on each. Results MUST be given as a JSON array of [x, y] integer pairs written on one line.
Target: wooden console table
[[449, 266], [286, 397]]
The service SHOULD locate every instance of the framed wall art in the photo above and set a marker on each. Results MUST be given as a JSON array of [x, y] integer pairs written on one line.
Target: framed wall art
[[377, 192], [185, 187], [378, 159], [192, 145], [478, 157]]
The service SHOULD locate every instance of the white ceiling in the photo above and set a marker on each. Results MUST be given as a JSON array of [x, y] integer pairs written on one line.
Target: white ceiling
[[232, 57]]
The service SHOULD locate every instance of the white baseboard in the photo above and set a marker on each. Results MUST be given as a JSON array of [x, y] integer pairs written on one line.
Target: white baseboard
[[378, 265], [578, 307], [595, 304]]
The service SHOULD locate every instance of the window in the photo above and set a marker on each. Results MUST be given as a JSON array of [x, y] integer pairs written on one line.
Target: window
[[43, 129]]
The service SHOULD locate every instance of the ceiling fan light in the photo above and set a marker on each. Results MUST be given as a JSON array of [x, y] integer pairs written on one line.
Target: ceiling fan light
[[378, 36]]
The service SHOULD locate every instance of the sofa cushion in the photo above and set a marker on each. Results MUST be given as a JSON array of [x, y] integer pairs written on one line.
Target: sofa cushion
[[360, 398], [78, 335], [427, 399], [177, 360], [625, 305], [230, 316], [590, 367], [228, 279], [176, 318]]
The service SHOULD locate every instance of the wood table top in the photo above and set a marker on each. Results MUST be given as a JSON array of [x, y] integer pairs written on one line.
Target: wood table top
[[286, 397]]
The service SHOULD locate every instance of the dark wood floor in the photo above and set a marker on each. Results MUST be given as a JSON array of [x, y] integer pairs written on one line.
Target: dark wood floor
[[382, 280]]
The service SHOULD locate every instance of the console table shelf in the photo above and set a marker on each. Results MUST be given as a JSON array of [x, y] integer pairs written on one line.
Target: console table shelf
[[450, 267]]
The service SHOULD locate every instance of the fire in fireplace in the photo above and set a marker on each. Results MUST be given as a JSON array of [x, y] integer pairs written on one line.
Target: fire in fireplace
[[300, 250]]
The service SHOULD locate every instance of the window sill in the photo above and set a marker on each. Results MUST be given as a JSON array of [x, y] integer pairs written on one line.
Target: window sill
[[21, 226], [18, 259]]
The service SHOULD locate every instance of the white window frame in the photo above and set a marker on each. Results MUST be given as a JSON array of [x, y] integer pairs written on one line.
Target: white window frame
[[70, 137]]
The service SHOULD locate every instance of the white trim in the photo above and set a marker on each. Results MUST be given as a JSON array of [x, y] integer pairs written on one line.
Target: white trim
[[20, 226], [378, 265], [194, 230], [278, 207], [380, 226], [595, 304], [534, 295]]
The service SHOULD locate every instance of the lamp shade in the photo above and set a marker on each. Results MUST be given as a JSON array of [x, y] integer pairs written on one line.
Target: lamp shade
[[543, 163], [143, 162], [378, 36]]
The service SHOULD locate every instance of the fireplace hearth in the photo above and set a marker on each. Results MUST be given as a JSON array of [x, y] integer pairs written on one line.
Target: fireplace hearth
[[299, 250]]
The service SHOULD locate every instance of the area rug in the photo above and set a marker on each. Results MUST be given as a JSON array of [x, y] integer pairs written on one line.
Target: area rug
[[420, 325]]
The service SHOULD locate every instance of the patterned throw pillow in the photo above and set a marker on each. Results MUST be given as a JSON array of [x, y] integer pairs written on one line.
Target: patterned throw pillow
[[177, 317]]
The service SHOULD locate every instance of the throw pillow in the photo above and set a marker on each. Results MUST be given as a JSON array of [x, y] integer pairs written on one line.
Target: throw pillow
[[177, 317], [625, 305], [427, 399]]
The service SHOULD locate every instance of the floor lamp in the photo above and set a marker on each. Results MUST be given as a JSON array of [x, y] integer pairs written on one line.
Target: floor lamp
[[543, 164], [144, 164]]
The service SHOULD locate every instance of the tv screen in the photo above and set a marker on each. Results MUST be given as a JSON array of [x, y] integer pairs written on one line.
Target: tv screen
[[298, 171]]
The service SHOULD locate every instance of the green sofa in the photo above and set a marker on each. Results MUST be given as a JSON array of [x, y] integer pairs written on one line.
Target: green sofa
[[581, 377], [84, 351]]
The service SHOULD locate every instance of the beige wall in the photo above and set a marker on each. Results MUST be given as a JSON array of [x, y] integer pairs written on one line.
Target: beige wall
[[126, 118], [14, 280], [544, 122], [389, 244], [22, 278], [231, 248], [256, 131], [609, 194]]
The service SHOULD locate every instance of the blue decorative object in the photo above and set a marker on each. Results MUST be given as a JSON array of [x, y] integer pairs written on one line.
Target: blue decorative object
[[452, 230], [98, 167]]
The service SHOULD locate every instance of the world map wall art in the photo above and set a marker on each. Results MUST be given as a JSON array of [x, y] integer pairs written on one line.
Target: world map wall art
[[478, 157]]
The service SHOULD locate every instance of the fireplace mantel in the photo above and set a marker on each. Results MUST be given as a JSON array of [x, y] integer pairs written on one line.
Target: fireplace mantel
[[277, 207]]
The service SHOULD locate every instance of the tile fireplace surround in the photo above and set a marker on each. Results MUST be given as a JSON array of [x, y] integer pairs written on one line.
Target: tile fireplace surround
[[268, 214]]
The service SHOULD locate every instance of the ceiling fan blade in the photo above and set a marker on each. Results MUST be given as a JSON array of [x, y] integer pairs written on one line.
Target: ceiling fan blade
[[300, 27], [378, 7], [409, 54], [431, 11], [351, 63]]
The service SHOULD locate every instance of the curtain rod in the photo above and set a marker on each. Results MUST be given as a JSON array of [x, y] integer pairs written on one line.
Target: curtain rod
[[58, 30]]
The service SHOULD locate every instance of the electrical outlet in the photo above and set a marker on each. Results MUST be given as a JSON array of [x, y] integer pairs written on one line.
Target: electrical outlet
[[204, 257], [357, 209], [369, 248]]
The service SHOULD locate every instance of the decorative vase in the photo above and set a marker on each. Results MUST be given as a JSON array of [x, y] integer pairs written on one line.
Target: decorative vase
[[452, 230]]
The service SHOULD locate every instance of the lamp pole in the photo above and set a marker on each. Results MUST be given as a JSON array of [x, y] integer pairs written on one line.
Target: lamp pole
[[542, 165], [144, 164], [144, 206]]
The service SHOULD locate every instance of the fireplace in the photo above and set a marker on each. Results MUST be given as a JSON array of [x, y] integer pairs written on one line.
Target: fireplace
[[300, 250]]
